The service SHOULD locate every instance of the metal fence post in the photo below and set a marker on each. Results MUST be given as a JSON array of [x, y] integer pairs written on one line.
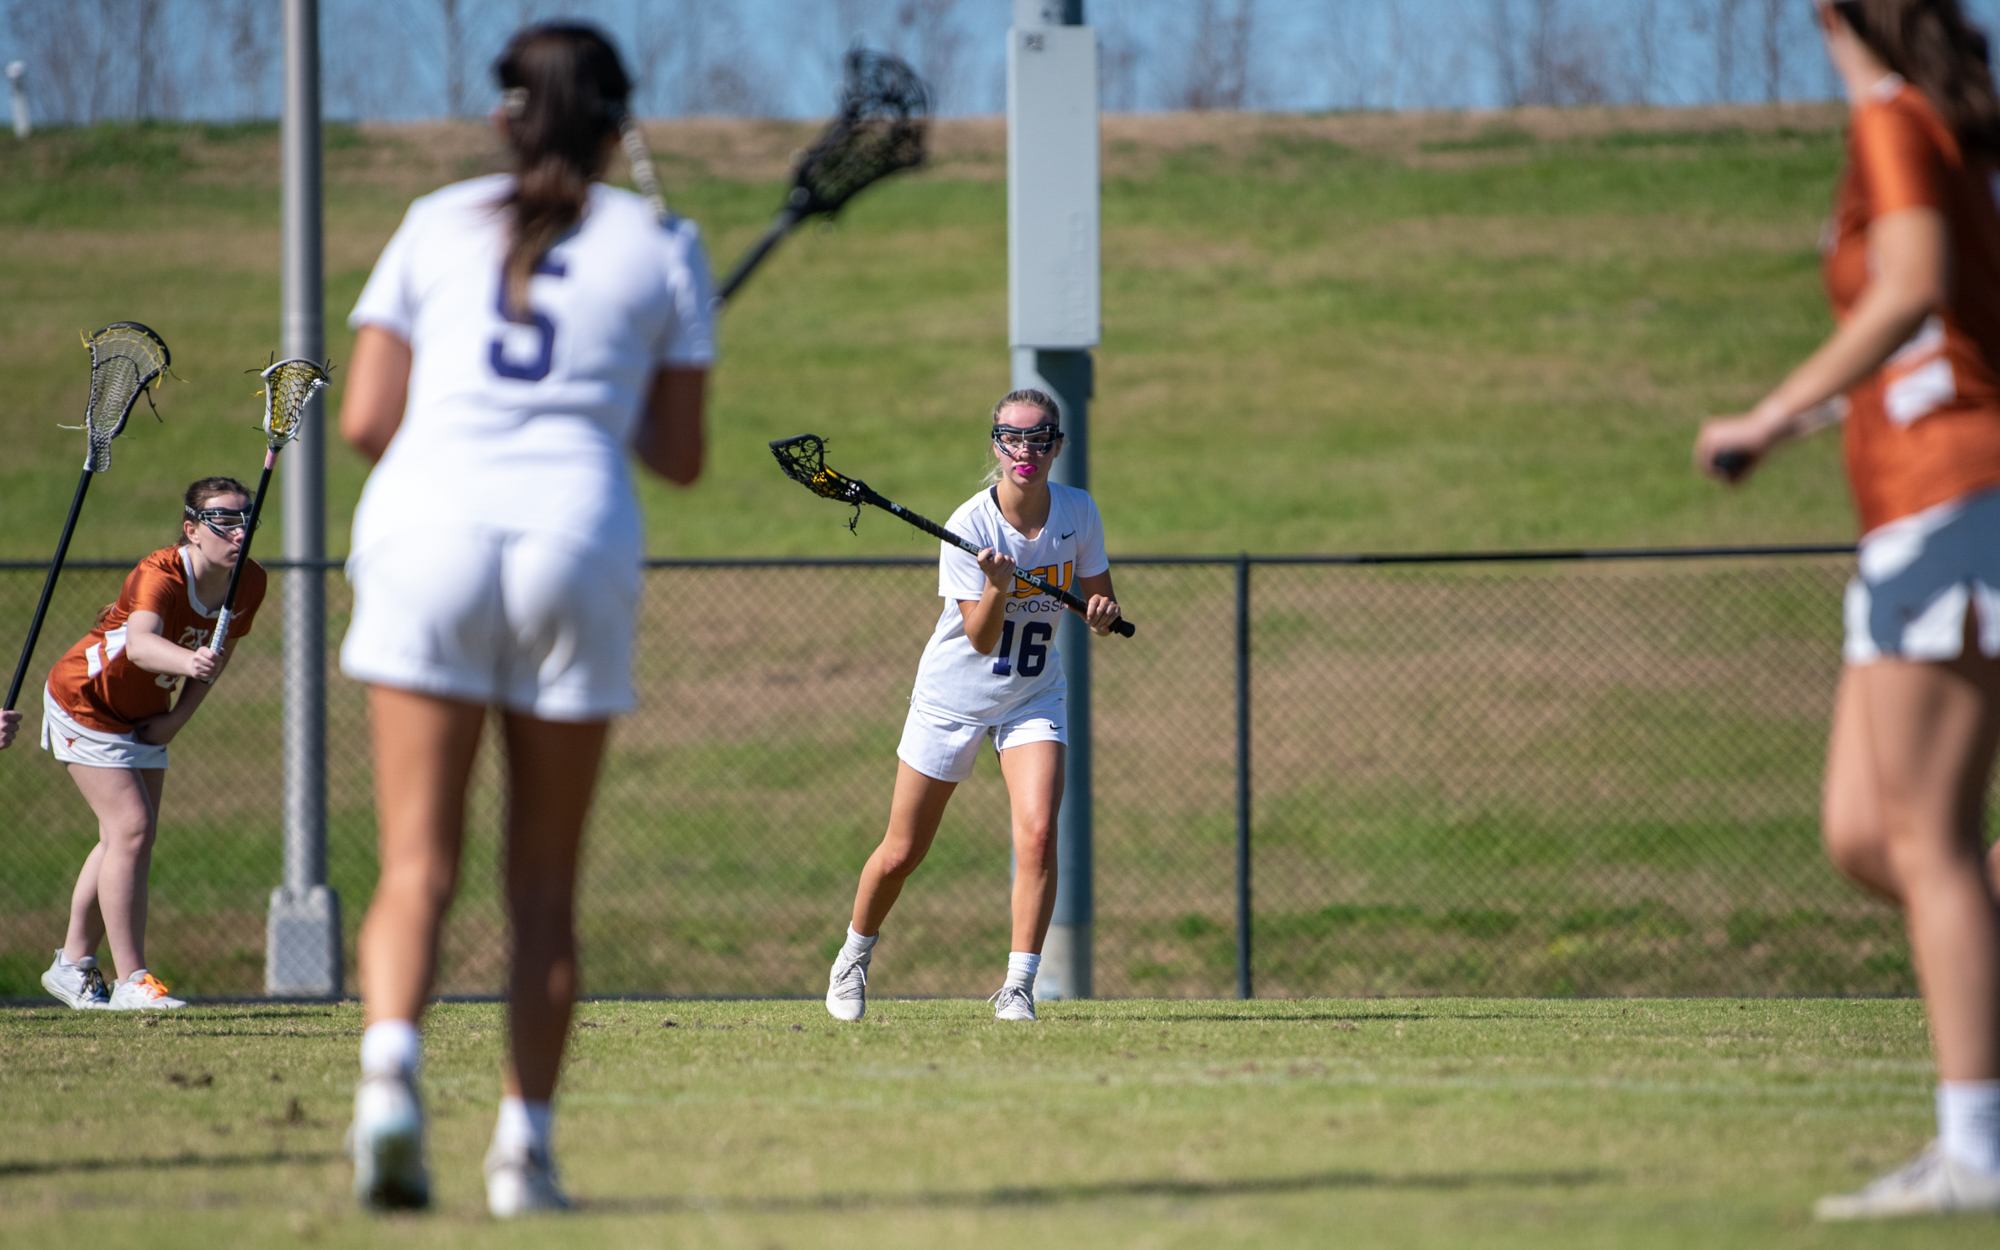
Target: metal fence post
[[1243, 984], [1053, 303], [302, 947]]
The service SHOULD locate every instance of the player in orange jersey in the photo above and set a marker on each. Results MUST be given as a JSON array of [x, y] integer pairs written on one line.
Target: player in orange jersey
[[1913, 269], [113, 702]]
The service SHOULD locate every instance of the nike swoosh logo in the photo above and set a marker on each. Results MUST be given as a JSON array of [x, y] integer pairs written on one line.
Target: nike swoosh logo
[[1071, 534]]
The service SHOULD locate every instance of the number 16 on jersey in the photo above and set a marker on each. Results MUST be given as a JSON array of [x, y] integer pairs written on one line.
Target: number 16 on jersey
[[1034, 655]]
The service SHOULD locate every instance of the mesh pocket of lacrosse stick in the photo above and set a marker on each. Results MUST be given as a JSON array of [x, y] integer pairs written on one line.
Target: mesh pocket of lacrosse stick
[[288, 386], [803, 458], [883, 109], [125, 360]]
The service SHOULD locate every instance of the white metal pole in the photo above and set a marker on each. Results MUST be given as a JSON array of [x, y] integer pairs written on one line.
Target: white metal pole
[[1053, 321], [302, 956], [17, 86]]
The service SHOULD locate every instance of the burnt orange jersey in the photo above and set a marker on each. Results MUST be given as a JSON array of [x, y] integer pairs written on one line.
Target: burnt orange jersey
[[1925, 427], [99, 685]]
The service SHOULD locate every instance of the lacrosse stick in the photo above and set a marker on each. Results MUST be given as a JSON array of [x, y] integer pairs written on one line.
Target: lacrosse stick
[[643, 175], [125, 359], [288, 384], [1732, 465], [880, 129], [804, 461]]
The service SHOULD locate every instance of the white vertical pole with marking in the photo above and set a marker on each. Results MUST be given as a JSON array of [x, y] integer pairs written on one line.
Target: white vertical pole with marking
[[1053, 321], [17, 87], [302, 948]]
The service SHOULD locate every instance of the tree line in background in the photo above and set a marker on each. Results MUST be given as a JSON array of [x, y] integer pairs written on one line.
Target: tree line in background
[[91, 60]]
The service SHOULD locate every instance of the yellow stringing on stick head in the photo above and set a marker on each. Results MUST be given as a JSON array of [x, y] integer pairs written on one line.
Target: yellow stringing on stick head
[[288, 385]]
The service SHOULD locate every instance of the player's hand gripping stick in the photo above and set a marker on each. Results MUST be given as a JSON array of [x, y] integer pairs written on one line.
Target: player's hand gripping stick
[[125, 359], [288, 385], [804, 461]]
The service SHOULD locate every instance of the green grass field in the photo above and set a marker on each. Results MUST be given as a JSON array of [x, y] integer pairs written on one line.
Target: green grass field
[[1629, 1123], [1321, 333]]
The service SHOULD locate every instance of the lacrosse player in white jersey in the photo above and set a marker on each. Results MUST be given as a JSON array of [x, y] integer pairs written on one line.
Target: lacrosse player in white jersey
[[991, 670], [519, 333]]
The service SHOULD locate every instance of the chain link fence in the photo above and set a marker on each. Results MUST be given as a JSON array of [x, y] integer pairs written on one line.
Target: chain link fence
[[1504, 776]]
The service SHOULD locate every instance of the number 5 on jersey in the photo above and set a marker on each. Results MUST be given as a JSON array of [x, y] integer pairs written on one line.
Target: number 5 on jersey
[[533, 370], [1034, 655]]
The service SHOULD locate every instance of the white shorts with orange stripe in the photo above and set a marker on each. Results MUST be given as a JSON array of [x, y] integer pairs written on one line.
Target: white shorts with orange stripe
[[72, 743]]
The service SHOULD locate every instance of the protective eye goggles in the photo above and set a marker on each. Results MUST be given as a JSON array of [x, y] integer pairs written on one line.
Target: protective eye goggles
[[224, 521], [1036, 440]]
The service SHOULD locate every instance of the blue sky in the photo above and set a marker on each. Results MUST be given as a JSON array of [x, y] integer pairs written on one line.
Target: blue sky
[[387, 58]]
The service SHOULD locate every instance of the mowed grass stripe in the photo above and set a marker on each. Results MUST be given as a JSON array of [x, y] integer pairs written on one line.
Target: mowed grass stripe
[[1633, 1122]]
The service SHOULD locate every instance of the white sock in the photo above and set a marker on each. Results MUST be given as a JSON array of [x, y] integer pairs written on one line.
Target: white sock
[[391, 1048], [524, 1125], [1968, 1115], [1021, 969], [856, 946]]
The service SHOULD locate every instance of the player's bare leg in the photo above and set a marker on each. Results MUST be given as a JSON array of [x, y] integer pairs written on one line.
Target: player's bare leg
[[915, 808], [552, 767], [552, 775], [1034, 773], [1928, 733], [424, 748], [110, 896], [423, 752]]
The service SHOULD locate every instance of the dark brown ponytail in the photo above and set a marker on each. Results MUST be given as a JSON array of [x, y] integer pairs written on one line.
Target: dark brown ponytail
[[1932, 45], [564, 92]]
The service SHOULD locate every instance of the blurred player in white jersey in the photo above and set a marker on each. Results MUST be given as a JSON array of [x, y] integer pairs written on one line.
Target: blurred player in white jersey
[[519, 334], [991, 671]]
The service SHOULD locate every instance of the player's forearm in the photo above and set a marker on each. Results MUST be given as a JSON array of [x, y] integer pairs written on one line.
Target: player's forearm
[[983, 620], [1909, 252], [156, 655], [670, 439]]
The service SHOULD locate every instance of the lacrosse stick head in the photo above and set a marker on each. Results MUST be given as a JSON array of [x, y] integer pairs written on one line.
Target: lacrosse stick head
[[803, 459], [125, 359], [288, 385], [884, 109]]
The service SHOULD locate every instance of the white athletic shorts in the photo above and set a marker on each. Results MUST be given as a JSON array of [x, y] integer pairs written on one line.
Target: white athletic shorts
[[72, 743], [537, 623], [940, 747], [1918, 575]]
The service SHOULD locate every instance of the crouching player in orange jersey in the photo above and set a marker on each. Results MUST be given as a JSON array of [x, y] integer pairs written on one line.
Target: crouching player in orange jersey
[[110, 710]]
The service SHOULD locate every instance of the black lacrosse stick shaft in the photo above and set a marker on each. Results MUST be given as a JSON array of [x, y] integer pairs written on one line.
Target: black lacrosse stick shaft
[[48, 589], [780, 226], [928, 526], [228, 612]]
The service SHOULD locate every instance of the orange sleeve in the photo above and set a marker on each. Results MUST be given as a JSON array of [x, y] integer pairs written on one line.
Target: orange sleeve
[[149, 589], [1898, 160]]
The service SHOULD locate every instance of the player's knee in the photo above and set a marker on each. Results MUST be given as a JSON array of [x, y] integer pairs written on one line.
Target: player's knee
[[1036, 844], [899, 861]]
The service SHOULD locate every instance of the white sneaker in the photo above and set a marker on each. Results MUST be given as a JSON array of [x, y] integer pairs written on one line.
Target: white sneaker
[[847, 986], [1930, 1184], [1013, 1002], [142, 991], [386, 1142], [79, 984], [520, 1181]]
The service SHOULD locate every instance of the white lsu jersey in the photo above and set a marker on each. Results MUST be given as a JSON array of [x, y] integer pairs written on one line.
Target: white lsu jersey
[[957, 682], [523, 425]]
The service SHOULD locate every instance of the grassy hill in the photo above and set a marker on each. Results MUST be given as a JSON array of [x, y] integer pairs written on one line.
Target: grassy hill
[[1321, 333]]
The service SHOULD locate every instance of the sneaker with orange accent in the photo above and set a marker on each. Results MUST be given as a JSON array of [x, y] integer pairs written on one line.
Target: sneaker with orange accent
[[142, 991]]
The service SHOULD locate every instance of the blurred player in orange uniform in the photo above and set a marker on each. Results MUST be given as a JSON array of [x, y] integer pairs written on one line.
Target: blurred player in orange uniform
[[113, 702], [1913, 270]]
